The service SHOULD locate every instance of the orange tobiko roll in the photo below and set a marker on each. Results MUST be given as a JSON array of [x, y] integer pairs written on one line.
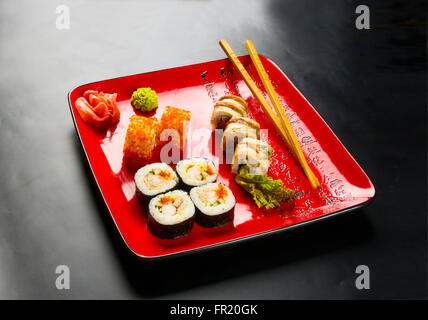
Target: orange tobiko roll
[[140, 139], [174, 124]]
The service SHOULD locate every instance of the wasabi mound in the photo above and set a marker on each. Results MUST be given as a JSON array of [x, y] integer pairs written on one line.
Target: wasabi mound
[[144, 99]]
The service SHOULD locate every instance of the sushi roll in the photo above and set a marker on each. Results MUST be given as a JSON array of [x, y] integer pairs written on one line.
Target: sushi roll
[[239, 128], [140, 140], [195, 172], [254, 153], [227, 107], [171, 215], [214, 204], [234, 100], [174, 123], [153, 179]]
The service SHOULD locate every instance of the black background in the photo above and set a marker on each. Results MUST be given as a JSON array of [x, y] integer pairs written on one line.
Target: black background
[[368, 85]]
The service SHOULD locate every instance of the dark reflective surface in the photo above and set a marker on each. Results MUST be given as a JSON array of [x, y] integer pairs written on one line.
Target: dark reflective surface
[[369, 86]]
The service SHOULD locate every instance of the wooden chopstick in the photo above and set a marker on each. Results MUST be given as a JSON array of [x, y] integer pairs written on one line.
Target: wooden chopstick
[[281, 113], [282, 129]]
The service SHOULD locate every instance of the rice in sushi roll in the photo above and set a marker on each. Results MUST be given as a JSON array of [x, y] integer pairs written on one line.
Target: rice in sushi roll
[[171, 215], [155, 178], [214, 204], [195, 172]]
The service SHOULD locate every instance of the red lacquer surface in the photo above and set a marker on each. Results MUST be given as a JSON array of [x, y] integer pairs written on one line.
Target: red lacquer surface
[[344, 185]]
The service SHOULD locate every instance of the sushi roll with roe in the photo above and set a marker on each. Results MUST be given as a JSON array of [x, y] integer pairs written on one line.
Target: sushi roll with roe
[[153, 179], [140, 140], [195, 172], [171, 215], [174, 124], [214, 204]]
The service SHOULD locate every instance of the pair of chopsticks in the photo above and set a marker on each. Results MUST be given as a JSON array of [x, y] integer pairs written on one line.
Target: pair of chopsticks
[[279, 119]]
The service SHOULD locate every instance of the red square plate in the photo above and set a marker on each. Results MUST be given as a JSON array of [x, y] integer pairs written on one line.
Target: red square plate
[[344, 185]]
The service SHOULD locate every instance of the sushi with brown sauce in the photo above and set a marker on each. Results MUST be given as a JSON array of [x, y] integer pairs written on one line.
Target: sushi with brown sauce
[[239, 128], [214, 204], [254, 153], [227, 107], [171, 215]]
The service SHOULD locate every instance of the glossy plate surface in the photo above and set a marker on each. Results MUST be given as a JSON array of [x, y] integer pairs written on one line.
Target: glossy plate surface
[[344, 185]]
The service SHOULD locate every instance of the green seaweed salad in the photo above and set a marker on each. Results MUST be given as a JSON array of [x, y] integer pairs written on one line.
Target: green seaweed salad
[[266, 192]]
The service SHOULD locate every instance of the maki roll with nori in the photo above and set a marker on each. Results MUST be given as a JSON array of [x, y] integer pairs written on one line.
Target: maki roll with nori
[[171, 215], [214, 204], [155, 178], [196, 172]]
